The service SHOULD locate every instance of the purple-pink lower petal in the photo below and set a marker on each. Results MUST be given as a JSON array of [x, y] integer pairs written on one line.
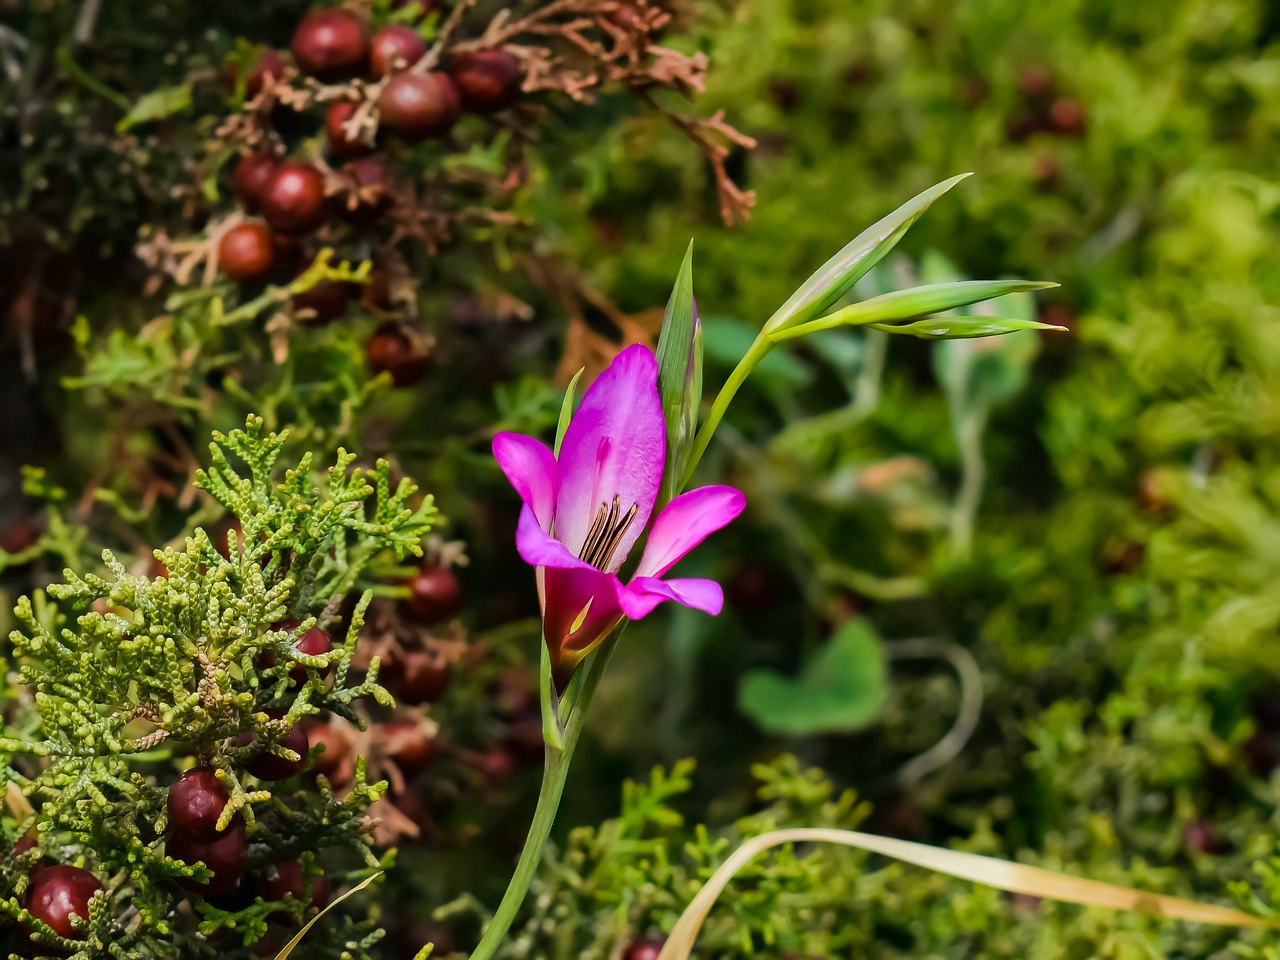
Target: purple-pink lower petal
[[644, 593], [684, 523], [531, 467], [615, 446], [539, 549]]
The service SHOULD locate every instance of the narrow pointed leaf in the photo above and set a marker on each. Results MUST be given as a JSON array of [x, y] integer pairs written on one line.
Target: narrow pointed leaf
[[552, 728], [917, 302], [679, 371], [838, 275], [566, 409], [960, 328], [986, 871]]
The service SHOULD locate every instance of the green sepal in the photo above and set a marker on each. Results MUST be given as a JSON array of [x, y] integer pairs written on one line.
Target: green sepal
[[679, 358], [960, 328], [917, 302], [566, 411], [836, 277], [552, 728]]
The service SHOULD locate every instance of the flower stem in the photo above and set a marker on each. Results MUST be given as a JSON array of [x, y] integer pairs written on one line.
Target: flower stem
[[758, 351], [554, 775]]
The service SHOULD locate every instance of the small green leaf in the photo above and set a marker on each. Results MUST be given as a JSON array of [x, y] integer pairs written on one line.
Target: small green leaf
[[156, 105], [679, 358], [566, 409], [838, 275], [959, 328], [842, 688], [916, 302]]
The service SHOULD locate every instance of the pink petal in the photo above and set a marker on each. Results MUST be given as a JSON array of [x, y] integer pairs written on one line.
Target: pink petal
[[531, 467], [644, 593], [615, 447], [684, 523], [539, 549]]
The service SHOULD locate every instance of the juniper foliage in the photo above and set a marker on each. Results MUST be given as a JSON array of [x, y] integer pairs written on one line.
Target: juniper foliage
[[132, 677]]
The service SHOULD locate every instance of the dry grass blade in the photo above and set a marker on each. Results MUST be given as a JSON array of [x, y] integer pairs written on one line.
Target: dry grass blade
[[297, 938], [1001, 874]]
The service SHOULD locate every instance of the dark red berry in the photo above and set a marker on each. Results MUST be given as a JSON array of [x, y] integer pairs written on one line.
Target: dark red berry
[[293, 199], [57, 895], [269, 766], [390, 350], [487, 80], [644, 950], [377, 292], [196, 802], [1203, 838], [331, 45], [434, 595], [396, 45], [409, 745], [25, 843], [326, 301], [1036, 82], [416, 106], [19, 535], [1067, 116], [367, 187], [341, 145], [266, 64], [251, 176], [289, 883], [225, 856], [419, 677], [246, 253], [336, 748], [314, 643]]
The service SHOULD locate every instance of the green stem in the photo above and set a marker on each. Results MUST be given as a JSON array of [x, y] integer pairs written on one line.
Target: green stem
[[554, 775], [759, 350]]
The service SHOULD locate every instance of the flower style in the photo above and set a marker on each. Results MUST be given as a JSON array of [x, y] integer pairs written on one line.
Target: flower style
[[584, 511]]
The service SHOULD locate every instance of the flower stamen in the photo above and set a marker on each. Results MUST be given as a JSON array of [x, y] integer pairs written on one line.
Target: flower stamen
[[606, 533]]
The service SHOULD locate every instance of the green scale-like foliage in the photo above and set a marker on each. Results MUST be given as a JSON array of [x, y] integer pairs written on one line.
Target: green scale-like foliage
[[130, 674]]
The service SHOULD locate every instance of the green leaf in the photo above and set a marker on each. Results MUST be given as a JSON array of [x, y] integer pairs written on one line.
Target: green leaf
[[566, 409], [838, 275], [156, 105], [680, 373], [958, 328], [916, 302], [842, 688]]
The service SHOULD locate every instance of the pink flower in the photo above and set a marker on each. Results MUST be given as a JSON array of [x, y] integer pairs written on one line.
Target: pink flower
[[585, 511]]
